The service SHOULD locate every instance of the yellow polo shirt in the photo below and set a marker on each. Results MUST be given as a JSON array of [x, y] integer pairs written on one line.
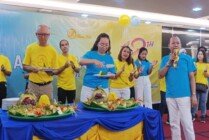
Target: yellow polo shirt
[[199, 77], [162, 85], [123, 80], [66, 79], [6, 63], [40, 57]]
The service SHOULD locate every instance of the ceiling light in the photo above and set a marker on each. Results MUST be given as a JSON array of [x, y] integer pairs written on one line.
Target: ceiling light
[[106, 11], [147, 22], [202, 28], [190, 30], [196, 9], [84, 15]]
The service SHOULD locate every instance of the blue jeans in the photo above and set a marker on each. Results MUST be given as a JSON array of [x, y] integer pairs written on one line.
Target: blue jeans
[[201, 100]]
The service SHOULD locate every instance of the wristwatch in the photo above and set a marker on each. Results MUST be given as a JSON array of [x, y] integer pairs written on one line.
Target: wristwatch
[[168, 64]]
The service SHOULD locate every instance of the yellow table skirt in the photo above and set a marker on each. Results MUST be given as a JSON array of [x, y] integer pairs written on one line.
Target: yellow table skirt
[[98, 132]]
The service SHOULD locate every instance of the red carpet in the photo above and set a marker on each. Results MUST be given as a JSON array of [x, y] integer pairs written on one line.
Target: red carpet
[[201, 129]]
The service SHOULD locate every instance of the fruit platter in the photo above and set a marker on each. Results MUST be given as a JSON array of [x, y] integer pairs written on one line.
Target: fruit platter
[[101, 101], [28, 108]]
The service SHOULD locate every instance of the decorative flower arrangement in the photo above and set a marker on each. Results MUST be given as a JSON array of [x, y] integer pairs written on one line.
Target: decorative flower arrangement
[[29, 106], [111, 102]]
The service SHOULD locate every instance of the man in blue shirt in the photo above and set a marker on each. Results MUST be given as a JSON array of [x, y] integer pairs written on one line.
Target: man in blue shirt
[[178, 70]]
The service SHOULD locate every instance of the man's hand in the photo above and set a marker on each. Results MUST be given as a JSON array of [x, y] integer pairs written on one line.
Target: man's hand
[[171, 60], [172, 57], [194, 100], [72, 65], [49, 72], [6, 72], [67, 64], [34, 69], [3, 68]]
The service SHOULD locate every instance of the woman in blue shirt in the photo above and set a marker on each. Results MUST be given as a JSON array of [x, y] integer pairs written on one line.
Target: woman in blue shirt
[[143, 84], [97, 60]]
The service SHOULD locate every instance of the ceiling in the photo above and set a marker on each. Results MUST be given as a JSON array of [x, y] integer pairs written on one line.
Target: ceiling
[[170, 7], [181, 8]]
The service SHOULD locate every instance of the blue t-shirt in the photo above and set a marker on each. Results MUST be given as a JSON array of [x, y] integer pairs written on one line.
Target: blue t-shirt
[[92, 81], [145, 65], [177, 79]]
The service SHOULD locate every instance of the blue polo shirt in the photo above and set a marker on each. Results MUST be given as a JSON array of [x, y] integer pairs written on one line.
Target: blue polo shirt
[[145, 65], [177, 79], [92, 81]]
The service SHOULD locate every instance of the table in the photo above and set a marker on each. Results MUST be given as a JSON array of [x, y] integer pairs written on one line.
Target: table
[[78, 124]]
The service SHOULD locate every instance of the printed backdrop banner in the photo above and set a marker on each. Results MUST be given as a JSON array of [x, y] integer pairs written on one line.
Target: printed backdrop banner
[[17, 30]]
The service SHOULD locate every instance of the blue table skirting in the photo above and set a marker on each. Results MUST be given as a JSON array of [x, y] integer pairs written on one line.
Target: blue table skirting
[[76, 125]]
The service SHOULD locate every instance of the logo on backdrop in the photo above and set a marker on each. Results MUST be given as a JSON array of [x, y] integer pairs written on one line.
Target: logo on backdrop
[[72, 33], [138, 43], [18, 62]]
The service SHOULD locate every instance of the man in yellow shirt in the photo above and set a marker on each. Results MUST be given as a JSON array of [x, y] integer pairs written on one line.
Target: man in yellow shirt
[[41, 62], [5, 71], [69, 66]]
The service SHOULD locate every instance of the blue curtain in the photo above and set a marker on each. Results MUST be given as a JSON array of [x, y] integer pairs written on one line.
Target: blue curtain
[[76, 125]]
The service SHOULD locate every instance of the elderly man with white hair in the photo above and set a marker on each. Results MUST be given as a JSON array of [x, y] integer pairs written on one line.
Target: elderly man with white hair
[[41, 62]]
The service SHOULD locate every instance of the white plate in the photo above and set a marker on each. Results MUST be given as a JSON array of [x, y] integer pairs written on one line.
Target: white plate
[[110, 66], [105, 76]]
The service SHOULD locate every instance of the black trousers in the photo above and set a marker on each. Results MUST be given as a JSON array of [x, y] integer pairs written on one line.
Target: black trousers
[[66, 94], [163, 104], [132, 90], [3, 92]]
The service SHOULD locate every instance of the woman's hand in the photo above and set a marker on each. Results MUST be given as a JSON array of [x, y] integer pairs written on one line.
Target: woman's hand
[[154, 63], [98, 63], [123, 68]]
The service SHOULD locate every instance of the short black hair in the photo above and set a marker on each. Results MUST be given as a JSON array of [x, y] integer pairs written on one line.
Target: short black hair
[[202, 48], [63, 40]]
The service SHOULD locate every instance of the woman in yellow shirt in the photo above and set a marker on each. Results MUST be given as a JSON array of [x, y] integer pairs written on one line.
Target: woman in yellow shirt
[[125, 74], [201, 84]]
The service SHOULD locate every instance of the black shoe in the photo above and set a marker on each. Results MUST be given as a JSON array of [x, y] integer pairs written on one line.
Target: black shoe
[[203, 119]]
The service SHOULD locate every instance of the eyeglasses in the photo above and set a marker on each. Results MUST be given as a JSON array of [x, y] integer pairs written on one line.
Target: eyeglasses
[[42, 34], [103, 45]]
